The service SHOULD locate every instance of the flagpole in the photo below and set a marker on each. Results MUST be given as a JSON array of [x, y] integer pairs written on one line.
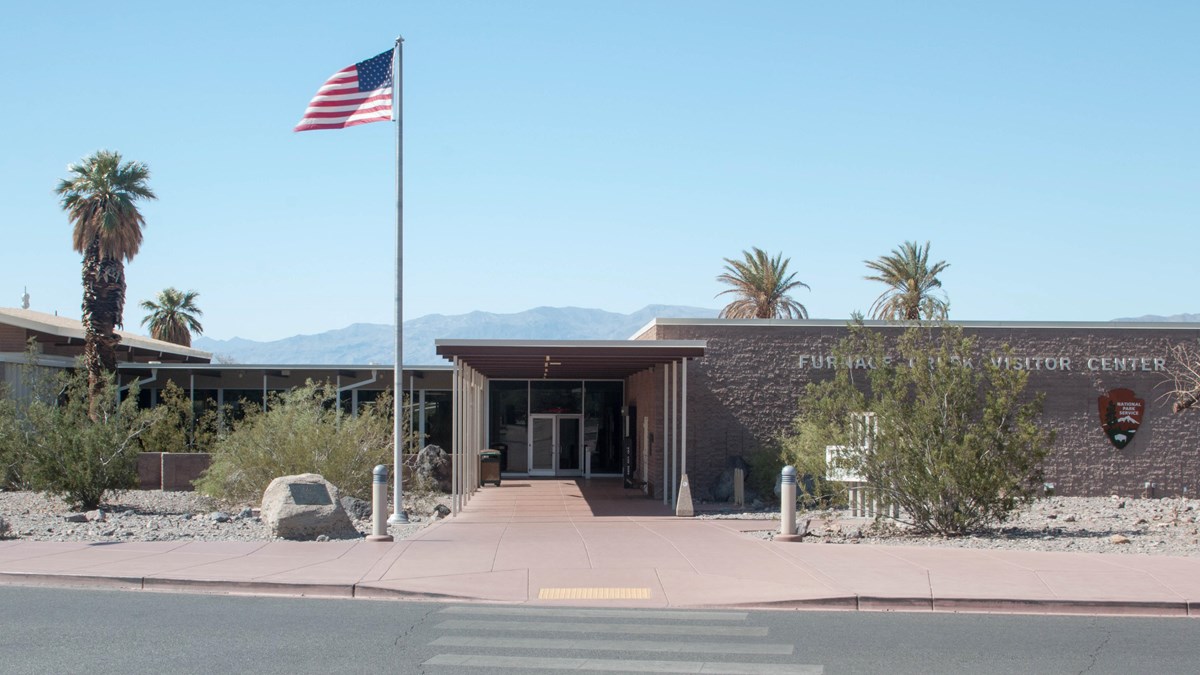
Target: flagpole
[[398, 514]]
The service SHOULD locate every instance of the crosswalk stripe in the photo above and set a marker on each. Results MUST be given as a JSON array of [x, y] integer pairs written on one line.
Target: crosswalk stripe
[[622, 666], [596, 613], [606, 628], [774, 649]]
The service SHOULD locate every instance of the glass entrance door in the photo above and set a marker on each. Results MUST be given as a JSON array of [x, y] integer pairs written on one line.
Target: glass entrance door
[[541, 445], [555, 445]]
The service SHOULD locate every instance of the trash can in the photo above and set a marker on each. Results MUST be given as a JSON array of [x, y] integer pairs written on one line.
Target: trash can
[[489, 467], [503, 448]]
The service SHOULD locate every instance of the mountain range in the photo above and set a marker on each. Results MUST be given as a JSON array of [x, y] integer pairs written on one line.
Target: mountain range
[[1174, 318], [367, 343]]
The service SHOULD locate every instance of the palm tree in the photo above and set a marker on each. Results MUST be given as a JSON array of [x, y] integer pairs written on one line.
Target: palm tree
[[911, 281], [761, 284], [100, 198], [173, 317]]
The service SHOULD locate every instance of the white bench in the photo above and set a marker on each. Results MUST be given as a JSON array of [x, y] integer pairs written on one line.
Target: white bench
[[858, 491]]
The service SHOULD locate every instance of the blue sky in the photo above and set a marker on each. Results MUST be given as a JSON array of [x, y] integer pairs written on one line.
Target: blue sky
[[610, 154]]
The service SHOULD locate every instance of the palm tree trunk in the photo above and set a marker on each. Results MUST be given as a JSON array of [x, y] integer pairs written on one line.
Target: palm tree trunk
[[103, 305]]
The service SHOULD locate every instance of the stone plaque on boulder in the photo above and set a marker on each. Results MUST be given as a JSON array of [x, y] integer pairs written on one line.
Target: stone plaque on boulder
[[309, 494], [305, 507]]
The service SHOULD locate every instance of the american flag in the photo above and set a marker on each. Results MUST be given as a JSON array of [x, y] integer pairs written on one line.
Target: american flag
[[357, 94]]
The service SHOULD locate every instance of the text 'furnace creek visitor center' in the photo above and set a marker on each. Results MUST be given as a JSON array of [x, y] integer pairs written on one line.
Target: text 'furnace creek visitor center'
[[695, 395]]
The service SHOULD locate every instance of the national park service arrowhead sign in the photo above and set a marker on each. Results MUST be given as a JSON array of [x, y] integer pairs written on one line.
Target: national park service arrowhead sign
[[1121, 415]]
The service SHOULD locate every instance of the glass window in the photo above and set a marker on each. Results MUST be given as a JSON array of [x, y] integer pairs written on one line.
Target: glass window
[[602, 431], [549, 396], [439, 419], [508, 420]]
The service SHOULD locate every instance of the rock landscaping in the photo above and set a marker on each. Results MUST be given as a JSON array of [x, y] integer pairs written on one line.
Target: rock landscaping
[[1167, 526], [153, 515]]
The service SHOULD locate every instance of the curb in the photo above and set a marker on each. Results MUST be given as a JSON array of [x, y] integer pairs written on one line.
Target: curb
[[215, 586], [850, 603]]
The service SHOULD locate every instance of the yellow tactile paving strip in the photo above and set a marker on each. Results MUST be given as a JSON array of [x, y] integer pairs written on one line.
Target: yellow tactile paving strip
[[594, 594]]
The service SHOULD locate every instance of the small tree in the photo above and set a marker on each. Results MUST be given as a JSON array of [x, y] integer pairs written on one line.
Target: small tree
[[180, 426], [11, 447], [955, 442], [1183, 376], [75, 456], [302, 431]]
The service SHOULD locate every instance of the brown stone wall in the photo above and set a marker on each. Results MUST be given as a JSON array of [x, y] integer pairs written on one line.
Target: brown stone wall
[[12, 338], [644, 390], [171, 471], [744, 392]]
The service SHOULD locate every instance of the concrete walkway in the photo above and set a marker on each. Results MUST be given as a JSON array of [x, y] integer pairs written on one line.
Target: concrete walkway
[[567, 542]]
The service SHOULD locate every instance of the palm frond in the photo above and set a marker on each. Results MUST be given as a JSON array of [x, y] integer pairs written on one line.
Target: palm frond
[[762, 285], [911, 282]]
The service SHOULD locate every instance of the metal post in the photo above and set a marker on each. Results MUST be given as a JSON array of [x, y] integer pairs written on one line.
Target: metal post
[[683, 423], [379, 504], [421, 421], [398, 514], [674, 432], [192, 407], [666, 441], [455, 433], [787, 505]]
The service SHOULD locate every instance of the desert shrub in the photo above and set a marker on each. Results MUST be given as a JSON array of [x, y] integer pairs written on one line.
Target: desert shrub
[[955, 441], [180, 427], [68, 454], [764, 466], [10, 442], [302, 431]]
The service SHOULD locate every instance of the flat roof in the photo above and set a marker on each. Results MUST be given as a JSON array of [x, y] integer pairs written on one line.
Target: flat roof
[[833, 323], [567, 359], [129, 365]]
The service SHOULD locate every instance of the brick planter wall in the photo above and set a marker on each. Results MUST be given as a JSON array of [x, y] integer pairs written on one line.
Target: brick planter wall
[[171, 471]]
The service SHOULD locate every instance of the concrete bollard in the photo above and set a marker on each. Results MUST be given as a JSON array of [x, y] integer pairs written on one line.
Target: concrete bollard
[[787, 505], [379, 486]]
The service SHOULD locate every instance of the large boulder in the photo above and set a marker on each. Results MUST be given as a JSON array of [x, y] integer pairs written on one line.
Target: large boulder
[[305, 507], [432, 467]]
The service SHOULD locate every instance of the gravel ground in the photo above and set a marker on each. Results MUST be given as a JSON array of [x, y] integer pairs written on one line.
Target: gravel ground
[[152, 515], [1082, 524], [1166, 526]]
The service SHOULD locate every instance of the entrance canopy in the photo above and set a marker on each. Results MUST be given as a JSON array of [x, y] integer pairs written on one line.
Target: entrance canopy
[[567, 359], [476, 362]]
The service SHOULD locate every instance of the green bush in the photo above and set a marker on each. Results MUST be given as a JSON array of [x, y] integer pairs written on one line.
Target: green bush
[[11, 445], [956, 442], [180, 427], [302, 431], [68, 454]]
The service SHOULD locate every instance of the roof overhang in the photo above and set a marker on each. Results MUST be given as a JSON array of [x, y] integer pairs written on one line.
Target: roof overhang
[[71, 332], [567, 359]]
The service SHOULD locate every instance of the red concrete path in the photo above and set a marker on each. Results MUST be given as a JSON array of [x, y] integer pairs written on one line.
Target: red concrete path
[[580, 542]]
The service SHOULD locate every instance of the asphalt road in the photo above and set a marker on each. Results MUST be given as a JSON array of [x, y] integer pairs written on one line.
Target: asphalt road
[[44, 630]]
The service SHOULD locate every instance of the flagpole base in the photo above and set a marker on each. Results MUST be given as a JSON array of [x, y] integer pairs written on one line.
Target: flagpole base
[[400, 518]]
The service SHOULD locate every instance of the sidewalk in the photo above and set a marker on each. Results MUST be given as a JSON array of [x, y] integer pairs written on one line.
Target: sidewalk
[[563, 542]]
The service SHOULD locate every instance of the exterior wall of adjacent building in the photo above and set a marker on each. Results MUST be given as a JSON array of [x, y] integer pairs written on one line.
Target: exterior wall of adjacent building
[[744, 393], [643, 391]]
